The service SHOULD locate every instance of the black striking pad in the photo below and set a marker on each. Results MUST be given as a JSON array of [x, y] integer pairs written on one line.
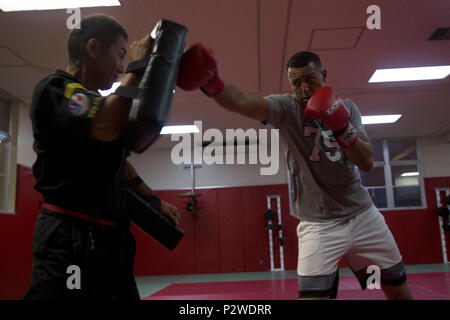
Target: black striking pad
[[152, 222], [153, 96]]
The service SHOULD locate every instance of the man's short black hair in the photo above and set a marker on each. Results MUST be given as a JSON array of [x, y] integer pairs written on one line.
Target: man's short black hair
[[302, 59], [104, 28]]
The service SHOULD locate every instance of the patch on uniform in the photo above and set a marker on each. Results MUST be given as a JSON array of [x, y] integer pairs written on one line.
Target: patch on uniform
[[96, 102], [79, 104]]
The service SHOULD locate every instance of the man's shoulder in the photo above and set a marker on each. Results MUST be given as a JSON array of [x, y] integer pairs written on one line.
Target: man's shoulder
[[284, 101], [58, 83], [53, 79]]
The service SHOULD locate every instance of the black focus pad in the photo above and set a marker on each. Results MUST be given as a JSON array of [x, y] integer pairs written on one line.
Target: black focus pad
[[269, 214], [151, 103], [152, 222]]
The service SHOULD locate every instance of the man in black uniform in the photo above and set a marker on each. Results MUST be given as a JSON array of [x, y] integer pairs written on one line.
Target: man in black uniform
[[82, 171]]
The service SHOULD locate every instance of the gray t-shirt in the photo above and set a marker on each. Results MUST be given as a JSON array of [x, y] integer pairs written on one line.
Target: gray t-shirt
[[326, 184]]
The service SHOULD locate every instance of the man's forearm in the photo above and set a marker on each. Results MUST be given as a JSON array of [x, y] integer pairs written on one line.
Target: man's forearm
[[360, 153], [147, 193], [248, 105], [230, 98], [142, 189]]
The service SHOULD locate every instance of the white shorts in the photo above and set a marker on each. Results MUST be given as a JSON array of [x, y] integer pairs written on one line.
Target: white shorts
[[364, 240]]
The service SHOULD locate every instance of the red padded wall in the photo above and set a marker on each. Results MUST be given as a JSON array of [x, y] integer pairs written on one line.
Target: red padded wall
[[182, 259], [207, 254], [16, 234], [231, 230]]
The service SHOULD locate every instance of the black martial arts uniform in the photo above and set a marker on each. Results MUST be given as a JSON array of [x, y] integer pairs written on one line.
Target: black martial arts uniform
[[82, 180]]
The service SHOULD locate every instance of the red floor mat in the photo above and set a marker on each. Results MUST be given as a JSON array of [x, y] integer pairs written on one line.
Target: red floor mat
[[424, 286]]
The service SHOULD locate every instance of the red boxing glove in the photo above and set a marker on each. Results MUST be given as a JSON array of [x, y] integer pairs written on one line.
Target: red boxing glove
[[198, 69], [327, 106]]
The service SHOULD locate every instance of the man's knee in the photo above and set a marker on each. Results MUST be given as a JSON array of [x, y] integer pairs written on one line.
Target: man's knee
[[318, 287]]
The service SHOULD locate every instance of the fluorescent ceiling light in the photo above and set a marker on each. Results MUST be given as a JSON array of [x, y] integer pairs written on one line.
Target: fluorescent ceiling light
[[410, 74], [179, 129], [410, 174], [110, 90], [390, 118], [28, 5]]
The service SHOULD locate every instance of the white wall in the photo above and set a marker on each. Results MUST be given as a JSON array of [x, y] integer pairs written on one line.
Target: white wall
[[435, 156], [25, 153], [12, 146], [157, 169]]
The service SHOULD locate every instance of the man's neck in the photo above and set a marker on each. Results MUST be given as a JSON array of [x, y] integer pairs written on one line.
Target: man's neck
[[79, 73]]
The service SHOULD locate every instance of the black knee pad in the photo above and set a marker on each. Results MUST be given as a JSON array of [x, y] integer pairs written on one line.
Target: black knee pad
[[392, 276], [319, 286]]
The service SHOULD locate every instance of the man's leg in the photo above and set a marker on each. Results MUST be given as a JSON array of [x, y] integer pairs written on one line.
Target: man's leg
[[320, 247], [51, 246], [374, 245], [127, 288], [397, 292]]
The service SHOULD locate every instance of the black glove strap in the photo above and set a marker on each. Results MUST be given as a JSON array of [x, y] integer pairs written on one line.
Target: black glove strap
[[127, 92], [138, 65]]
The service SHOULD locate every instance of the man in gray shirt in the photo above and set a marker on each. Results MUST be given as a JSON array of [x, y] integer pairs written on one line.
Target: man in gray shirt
[[323, 139]]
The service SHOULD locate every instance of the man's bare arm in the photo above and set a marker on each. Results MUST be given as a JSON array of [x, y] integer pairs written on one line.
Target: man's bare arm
[[361, 153], [243, 103], [147, 193]]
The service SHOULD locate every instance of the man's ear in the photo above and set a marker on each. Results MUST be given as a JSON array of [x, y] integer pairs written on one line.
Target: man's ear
[[93, 48], [324, 74]]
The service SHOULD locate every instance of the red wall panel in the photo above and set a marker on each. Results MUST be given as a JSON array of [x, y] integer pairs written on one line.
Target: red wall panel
[[16, 234], [416, 234], [182, 258], [206, 232], [231, 230]]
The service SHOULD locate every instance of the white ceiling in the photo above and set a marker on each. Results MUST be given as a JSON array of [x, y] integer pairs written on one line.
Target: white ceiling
[[253, 39]]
